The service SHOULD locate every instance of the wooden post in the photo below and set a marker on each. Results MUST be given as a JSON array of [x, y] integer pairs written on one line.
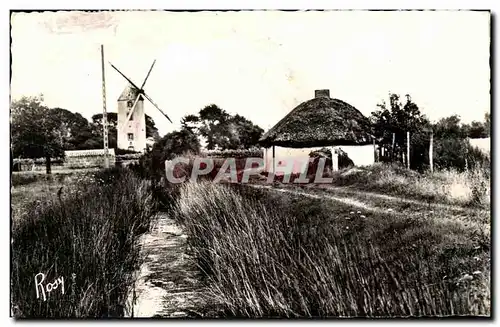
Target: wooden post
[[335, 159], [393, 145], [374, 151], [47, 164], [274, 166], [431, 162], [104, 113], [408, 150]]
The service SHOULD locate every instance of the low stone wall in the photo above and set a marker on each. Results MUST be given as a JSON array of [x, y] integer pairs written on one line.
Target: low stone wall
[[87, 162]]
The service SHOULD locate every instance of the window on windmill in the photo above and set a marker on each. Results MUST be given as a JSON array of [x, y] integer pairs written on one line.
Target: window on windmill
[[130, 136], [131, 116], [130, 104]]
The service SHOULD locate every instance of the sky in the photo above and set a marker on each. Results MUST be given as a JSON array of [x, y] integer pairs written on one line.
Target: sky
[[259, 64]]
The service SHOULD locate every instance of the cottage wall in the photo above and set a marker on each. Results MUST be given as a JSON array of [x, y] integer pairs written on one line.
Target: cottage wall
[[483, 144], [361, 155]]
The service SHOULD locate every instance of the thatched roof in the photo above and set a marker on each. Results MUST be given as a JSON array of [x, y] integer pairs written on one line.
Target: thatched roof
[[321, 121]]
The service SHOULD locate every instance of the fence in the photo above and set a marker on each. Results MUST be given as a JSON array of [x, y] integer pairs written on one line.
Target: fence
[[418, 151]]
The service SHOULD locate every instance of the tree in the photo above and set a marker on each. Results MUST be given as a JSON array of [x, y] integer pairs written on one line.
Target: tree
[[97, 131], [220, 130], [78, 128], [37, 131], [449, 127], [244, 133], [214, 126], [151, 130], [477, 130], [398, 119], [191, 123]]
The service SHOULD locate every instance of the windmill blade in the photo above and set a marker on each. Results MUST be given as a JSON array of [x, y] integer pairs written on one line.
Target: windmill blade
[[154, 104], [130, 113], [132, 83], [147, 76]]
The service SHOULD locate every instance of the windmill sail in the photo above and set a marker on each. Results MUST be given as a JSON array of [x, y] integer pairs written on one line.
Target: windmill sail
[[154, 104], [133, 91]]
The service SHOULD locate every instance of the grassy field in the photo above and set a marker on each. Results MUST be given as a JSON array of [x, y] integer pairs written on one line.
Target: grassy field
[[265, 253], [30, 187], [468, 188], [86, 236]]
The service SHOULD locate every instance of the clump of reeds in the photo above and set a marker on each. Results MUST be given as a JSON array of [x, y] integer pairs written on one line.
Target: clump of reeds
[[88, 236]]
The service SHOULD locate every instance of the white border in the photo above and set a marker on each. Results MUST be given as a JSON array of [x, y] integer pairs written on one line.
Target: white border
[[256, 4], [179, 5]]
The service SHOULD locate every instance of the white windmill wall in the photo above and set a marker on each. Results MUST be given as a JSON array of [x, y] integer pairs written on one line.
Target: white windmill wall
[[136, 125]]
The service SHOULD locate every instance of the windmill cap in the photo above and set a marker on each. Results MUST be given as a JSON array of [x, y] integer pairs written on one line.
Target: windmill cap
[[129, 93]]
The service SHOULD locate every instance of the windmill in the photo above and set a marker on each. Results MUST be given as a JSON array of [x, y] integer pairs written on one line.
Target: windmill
[[131, 127]]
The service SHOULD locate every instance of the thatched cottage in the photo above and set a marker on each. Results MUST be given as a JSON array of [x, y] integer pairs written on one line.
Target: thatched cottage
[[315, 124]]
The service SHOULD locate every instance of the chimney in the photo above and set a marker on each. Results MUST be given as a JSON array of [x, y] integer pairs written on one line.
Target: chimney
[[322, 93]]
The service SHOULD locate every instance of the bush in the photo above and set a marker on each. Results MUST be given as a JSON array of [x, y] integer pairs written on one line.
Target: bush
[[177, 143], [453, 153], [87, 236]]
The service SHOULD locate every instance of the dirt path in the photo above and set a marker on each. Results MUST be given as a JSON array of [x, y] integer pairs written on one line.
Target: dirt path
[[391, 205], [167, 283], [431, 203], [345, 200]]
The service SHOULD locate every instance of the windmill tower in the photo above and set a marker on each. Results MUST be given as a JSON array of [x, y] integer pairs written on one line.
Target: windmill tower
[[131, 127]]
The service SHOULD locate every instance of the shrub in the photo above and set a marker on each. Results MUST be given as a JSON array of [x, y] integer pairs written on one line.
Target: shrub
[[452, 153], [177, 143]]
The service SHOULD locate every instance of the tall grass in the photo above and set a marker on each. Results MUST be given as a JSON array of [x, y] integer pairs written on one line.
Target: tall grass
[[88, 237], [268, 255]]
